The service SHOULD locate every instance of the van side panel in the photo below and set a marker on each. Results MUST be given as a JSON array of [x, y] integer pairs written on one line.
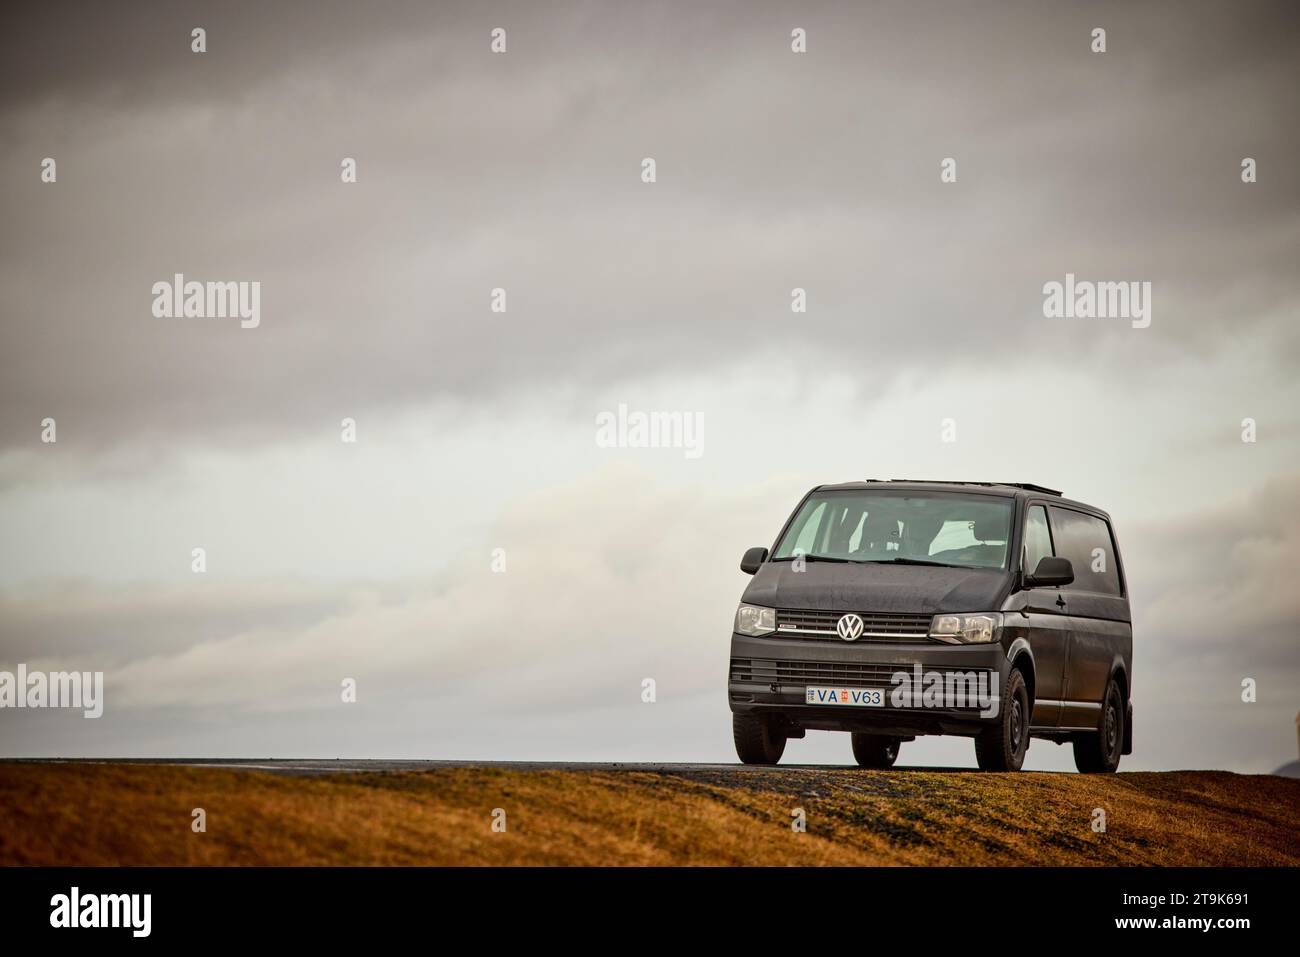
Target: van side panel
[[1095, 647], [1101, 632]]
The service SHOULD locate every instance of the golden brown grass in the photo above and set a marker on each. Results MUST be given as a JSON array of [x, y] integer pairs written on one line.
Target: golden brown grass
[[141, 815]]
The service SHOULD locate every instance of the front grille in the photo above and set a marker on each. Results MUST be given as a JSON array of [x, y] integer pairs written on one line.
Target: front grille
[[850, 674], [879, 626], [768, 671]]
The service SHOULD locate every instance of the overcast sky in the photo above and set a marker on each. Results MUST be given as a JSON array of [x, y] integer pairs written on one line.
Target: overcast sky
[[476, 430]]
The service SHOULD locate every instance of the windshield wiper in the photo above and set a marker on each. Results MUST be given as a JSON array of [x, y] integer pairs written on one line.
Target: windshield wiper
[[912, 561], [814, 558], [869, 561]]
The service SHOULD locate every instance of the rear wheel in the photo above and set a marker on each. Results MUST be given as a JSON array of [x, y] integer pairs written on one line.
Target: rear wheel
[[874, 750], [758, 740], [1003, 746], [1098, 752]]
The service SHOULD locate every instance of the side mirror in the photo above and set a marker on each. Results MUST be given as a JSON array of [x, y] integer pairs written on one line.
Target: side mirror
[[752, 559], [1051, 572]]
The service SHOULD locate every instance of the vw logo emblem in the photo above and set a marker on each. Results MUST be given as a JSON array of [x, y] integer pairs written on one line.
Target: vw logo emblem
[[849, 627]]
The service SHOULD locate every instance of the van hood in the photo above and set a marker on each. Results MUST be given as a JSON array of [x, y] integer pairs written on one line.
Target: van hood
[[915, 589]]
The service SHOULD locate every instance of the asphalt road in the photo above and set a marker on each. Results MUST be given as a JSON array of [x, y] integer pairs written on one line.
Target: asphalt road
[[318, 766]]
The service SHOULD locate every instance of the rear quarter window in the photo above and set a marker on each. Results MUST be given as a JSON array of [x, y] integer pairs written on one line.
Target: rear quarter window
[[1086, 541]]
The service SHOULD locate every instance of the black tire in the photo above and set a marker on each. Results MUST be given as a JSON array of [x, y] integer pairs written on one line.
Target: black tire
[[1099, 751], [1003, 746], [757, 739], [874, 750]]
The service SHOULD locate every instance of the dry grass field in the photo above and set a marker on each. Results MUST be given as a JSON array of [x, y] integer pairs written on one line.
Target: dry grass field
[[122, 814]]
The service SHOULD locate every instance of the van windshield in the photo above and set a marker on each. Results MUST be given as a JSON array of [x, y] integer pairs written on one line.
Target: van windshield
[[931, 528]]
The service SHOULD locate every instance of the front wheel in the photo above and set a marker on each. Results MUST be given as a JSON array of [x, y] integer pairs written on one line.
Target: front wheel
[[874, 750], [1003, 746], [758, 741], [1098, 752]]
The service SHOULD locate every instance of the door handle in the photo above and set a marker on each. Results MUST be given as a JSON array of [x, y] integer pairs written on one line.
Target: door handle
[[1060, 601]]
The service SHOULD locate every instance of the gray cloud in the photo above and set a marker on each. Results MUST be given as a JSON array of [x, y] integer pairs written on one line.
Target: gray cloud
[[1214, 604], [565, 632], [521, 171]]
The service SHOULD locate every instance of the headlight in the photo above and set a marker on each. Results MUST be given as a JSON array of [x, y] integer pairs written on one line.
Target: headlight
[[966, 629], [752, 620]]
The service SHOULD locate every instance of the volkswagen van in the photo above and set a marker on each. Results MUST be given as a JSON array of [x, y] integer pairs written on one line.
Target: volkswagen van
[[894, 609]]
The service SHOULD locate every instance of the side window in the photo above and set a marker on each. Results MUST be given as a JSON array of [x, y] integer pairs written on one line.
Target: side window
[[1085, 540], [1038, 538]]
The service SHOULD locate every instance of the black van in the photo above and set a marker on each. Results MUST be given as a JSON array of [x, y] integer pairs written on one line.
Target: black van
[[891, 609]]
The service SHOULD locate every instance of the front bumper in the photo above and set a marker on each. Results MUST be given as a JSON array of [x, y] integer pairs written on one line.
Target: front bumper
[[772, 675]]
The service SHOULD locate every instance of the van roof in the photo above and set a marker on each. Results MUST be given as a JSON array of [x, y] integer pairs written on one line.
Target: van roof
[[1009, 489]]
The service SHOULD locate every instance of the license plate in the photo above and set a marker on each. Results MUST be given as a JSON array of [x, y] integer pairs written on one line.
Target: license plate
[[850, 697]]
